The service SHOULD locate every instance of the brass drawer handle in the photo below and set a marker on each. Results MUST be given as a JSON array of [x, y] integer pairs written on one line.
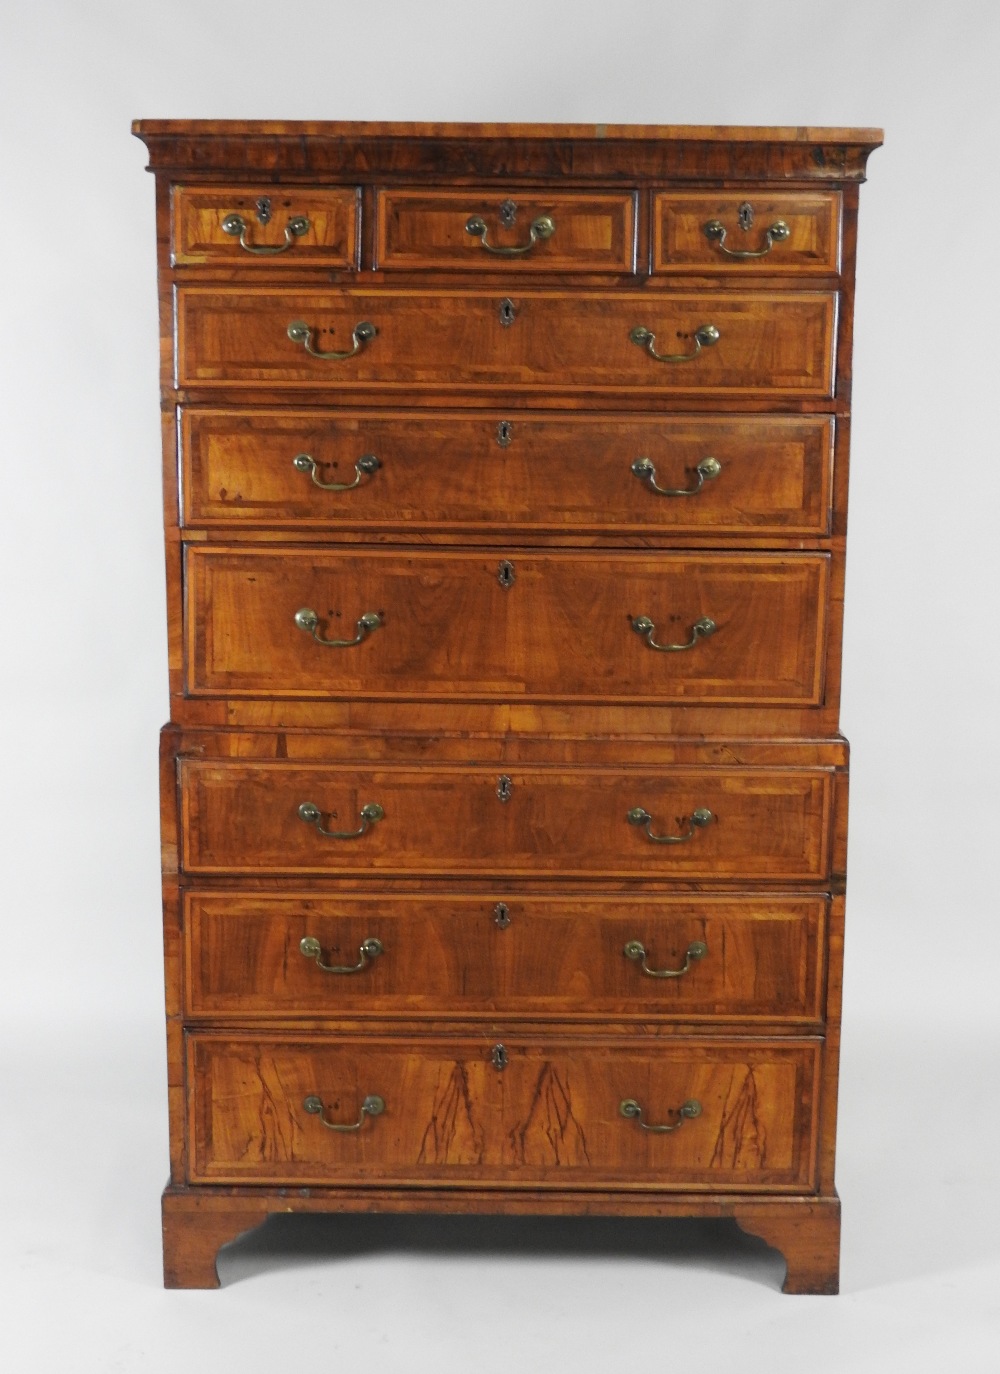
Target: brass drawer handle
[[686, 1112], [636, 951], [704, 337], [715, 232], [362, 333], [367, 624], [701, 629], [373, 1105], [366, 466], [312, 815], [706, 471], [697, 820], [541, 228], [368, 951], [235, 224]]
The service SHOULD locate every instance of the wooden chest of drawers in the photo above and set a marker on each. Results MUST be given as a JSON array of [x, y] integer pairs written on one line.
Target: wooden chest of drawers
[[503, 799]]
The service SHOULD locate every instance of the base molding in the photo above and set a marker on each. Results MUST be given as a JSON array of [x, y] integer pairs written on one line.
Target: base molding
[[197, 1222]]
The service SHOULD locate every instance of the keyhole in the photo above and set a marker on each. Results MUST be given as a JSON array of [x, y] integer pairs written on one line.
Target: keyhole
[[506, 574], [499, 1057], [263, 208], [505, 433], [501, 915], [504, 788], [745, 215], [507, 312], [508, 213]]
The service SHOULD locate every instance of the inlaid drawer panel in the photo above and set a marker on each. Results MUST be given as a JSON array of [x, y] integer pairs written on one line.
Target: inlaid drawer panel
[[273, 226], [475, 229], [472, 955], [725, 824], [750, 474], [756, 231], [564, 626], [535, 341], [441, 1110]]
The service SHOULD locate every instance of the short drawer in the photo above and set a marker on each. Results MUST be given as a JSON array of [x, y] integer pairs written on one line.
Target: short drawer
[[744, 474], [475, 956], [587, 342], [478, 230], [556, 626], [725, 824], [731, 231], [276, 226], [563, 1113]]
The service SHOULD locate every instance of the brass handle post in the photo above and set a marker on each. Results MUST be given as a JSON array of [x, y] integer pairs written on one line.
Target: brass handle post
[[370, 813], [701, 629], [715, 232], [366, 466], [373, 1105], [368, 951], [697, 820], [687, 1111], [363, 333], [704, 337], [636, 951], [706, 471], [235, 225], [541, 228], [307, 619]]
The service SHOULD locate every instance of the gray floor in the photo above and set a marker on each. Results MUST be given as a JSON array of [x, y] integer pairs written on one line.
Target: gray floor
[[83, 1136]]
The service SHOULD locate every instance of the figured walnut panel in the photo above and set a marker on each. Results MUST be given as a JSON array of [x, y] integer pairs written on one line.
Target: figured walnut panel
[[331, 240], [550, 1117], [812, 218]]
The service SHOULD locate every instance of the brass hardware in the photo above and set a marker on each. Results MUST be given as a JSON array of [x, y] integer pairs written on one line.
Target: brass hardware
[[236, 225], [505, 433], [366, 466], [508, 312], [370, 813], [504, 788], [373, 1105], [508, 213], [499, 1057], [701, 629], [686, 1112], [745, 215], [636, 951], [505, 573], [501, 915], [707, 471], [262, 206], [363, 333], [541, 228], [368, 950], [697, 820], [307, 619], [704, 337], [715, 232]]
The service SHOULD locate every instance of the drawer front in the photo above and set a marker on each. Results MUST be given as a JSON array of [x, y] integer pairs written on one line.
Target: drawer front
[[551, 1117], [554, 626], [747, 231], [748, 474], [477, 230], [272, 226], [473, 956], [543, 341], [768, 825]]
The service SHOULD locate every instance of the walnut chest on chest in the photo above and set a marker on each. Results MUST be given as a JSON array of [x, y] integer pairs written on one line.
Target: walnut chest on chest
[[503, 799]]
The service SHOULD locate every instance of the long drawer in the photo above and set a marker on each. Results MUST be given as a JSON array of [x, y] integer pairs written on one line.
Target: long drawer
[[411, 624], [472, 955], [714, 343], [463, 1111], [694, 823], [507, 471]]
